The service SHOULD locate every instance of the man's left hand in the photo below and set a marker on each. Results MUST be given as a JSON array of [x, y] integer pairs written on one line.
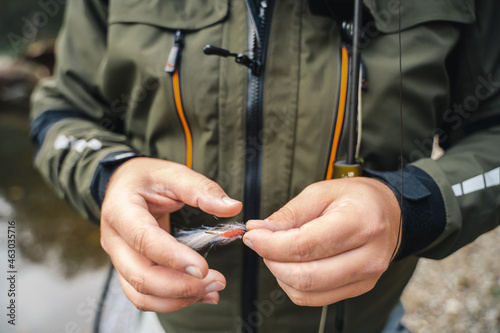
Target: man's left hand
[[331, 242]]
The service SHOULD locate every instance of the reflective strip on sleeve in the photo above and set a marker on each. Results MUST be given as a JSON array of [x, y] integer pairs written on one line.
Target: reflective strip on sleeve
[[477, 183]]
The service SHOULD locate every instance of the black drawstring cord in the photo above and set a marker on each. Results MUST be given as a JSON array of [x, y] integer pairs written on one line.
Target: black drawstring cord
[[394, 253], [102, 300]]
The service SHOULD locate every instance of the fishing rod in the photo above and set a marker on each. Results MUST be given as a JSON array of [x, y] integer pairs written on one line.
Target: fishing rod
[[352, 166]]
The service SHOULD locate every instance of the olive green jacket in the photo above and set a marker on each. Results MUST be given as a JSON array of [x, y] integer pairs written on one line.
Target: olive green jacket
[[111, 94]]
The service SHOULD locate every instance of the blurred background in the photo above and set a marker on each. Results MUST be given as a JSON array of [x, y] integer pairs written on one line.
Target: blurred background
[[60, 266]]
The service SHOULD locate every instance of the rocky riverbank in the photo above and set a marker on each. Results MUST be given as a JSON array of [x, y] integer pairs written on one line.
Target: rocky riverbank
[[460, 294]]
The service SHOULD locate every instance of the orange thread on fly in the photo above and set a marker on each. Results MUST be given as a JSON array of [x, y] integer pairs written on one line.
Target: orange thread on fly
[[229, 234]]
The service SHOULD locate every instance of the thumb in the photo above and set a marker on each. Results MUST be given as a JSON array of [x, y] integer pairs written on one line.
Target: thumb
[[306, 206], [194, 189]]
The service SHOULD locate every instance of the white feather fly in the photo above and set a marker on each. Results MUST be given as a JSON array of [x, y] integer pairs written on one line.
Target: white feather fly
[[208, 237]]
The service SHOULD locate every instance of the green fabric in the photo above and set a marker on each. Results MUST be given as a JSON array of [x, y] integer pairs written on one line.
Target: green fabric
[[386, 12], [180, 14], [111, 67]]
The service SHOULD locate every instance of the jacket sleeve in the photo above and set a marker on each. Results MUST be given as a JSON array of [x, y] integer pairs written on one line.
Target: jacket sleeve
[[468, 174], [78, 137], [449, 202]]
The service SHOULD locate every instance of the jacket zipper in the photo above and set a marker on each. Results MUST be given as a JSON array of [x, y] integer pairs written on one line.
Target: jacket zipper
[[173, 67], [254, 123]]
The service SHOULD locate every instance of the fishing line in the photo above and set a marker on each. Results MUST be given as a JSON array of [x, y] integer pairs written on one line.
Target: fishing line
[[400, 130]]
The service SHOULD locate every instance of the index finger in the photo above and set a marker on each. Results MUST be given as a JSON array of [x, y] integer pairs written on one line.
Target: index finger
[[194, 189]]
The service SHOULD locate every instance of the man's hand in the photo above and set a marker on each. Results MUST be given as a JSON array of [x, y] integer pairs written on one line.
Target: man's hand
[[331, 242], [157, 273]]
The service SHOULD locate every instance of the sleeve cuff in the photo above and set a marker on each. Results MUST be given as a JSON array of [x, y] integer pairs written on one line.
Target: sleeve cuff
[[422, 206], [42, 124], [107, 166]]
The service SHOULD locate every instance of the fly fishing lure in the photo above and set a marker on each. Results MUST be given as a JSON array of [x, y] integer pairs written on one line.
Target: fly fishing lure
[[208, 237]]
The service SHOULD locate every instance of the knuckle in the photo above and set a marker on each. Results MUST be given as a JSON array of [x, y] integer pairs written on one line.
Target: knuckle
[[380, 228], [138, 283], [302, 249], [184, 302], [303, 280], [105, 211], [310, 188], [317, 190], [138, 300], [141, 304], [376, 266], [299, 299], [185, 290], [209, 186], [171, 259], [106, 239], [376, 229], [104, 244], [108, 212], [287, 214], [139, 241]]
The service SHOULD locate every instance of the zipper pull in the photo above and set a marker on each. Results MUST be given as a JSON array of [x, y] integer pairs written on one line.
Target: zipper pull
[[240, 58], [173, 57]]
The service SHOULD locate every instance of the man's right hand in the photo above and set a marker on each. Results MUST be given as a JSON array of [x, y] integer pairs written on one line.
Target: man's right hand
[[157, 273]]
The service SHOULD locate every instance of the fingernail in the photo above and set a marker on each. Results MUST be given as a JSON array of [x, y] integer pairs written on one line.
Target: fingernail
[[208, 300], [194, 272], [256, 223], [248, 242], [215, 286], [229, 201]]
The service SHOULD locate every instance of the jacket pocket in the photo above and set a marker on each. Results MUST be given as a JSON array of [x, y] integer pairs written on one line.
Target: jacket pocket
[[414, 12], [165, 111], [187, 15]]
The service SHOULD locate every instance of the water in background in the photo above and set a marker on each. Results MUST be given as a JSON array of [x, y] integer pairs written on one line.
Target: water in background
[[59, 262]]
